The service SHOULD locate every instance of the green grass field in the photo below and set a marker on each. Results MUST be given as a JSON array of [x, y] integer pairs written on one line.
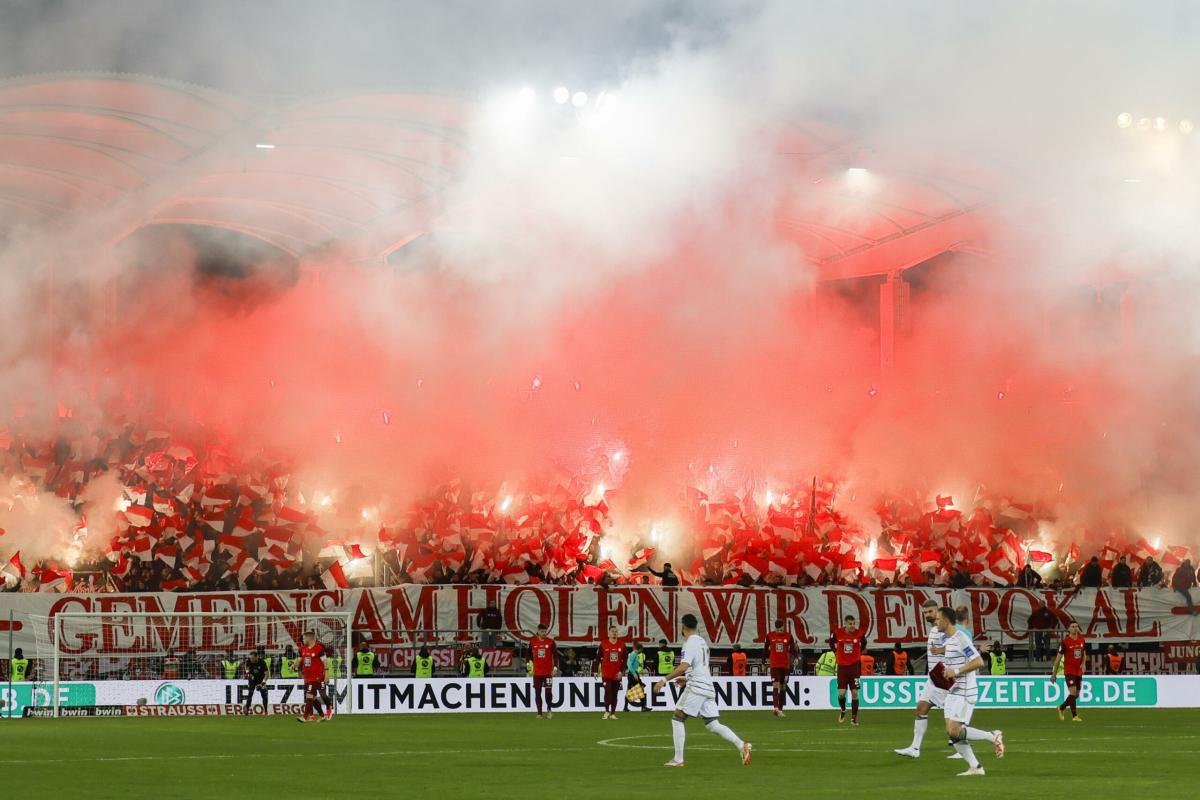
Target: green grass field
[[1136, 753]]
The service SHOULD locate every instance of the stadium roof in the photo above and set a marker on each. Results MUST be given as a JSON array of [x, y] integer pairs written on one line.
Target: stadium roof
[[130, 151]]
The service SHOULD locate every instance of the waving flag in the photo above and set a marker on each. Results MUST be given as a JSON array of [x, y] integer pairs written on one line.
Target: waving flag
[[139, 516], [1040, 556], [640, 557]]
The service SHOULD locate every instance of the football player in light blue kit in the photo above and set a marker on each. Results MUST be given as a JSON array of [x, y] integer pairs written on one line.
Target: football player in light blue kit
[[699, 696], [931, 696], [961, 665]]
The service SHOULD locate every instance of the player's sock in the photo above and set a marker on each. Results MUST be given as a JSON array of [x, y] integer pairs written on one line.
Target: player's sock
[[854, 709], [725, 733], [1065, 704], [976, 735], [537, 698], [679, 734], [1074, 706], [968, 754], [842, 702], [307, 706], [919, 726]]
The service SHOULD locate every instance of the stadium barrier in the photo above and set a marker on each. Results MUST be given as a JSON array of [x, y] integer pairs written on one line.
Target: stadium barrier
[[459, 695]]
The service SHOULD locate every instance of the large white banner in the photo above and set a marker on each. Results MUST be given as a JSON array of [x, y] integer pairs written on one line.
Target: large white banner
[[576, 615], [462, 695]]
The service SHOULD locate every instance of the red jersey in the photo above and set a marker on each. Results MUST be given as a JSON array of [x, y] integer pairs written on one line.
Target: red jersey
[[543, 657], [848, 649], [312, 663], [612, 659], [780, 648], [1073, 649]]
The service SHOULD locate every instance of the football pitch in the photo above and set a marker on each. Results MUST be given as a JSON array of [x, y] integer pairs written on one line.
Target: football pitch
[[1136, 753]]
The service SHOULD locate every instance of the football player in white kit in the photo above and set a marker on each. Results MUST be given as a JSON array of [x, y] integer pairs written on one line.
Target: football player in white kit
[[699, 697], [931, 696], [961, 664]]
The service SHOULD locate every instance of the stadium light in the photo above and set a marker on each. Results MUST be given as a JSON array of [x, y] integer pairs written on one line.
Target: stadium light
[[1160, 124], [654, 534], [1143, 124], [617, 456], [506, 503], [1186, 126], [770, 497], [264, 146], [579, 99], [1124, 119], [1157, 542], [561, 95]]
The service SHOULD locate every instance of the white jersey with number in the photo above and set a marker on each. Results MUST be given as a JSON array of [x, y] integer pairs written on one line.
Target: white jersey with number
[[699, 678], [960, 651], [937, 639]]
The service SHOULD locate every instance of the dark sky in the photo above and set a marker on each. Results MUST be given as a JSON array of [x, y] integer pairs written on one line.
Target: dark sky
[[297, 46]]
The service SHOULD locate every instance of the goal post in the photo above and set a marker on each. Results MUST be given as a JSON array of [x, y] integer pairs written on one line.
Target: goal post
[[103, 648]]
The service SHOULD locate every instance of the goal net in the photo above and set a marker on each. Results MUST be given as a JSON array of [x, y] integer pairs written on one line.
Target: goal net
[[140, 658]]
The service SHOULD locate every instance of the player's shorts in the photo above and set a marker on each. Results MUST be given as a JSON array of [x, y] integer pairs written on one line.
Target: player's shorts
[[934, 695], [1075, 682], [539, 681], [313, 687], [694, 705], [958, 708], [847, 677], [780, 674]]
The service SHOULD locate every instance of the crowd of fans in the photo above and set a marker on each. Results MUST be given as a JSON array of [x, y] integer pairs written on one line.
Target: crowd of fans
[[197, 518]]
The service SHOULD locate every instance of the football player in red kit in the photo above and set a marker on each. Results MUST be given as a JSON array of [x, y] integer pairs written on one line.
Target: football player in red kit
[[542, 651], [847, 644], [780, 654], [610, 666], [312, 668], [1071, 654]]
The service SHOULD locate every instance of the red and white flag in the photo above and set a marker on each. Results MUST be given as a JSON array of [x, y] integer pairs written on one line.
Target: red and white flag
[[139, 516], [214, 519], [168, 555], [215, 497], [231, 544], [14, 566], [141, 548], [335, 577], [289, 514], [56, 580], [246, 568], [245, 524], [640, 557]]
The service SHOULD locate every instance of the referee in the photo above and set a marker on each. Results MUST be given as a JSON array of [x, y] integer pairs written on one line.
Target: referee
[[256, 675]]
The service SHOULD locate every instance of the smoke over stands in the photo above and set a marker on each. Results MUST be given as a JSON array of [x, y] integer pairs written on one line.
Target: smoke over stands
[[612, 290]]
